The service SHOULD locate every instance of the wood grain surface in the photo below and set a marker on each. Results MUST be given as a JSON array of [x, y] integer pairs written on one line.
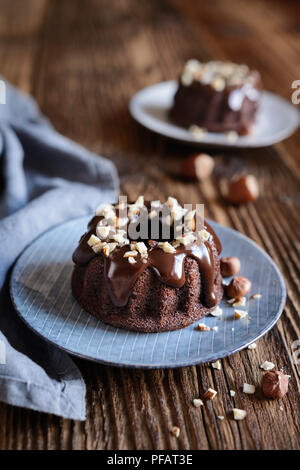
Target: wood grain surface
[[83, 60]]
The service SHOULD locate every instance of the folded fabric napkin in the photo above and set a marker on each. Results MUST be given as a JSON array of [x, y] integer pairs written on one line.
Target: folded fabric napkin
[[45, 179]]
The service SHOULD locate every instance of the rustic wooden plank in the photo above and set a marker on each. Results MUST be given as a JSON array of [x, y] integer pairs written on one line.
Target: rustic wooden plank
[[83, 64]]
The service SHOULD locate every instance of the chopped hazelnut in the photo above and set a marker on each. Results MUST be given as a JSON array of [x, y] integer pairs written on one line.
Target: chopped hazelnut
[[267, 365], [275, 384], [216, 312], [168, 248], [139, 202], [131, 260], [232, 393], [197, 402], [98, 247], [127, 254], [93, 240], [240, 314], [186, 239], [141, 247], [198, 132], [176, 431], [252, 346], [239, 414], [239, 302], [109, 248], [256, 296], [243, 189], [238, 287], [203, 327], [232, 136], [198, 167], [216, 365], [204, 234], [218, 83], [221, 417], [248, 388], [210, 394], [230, 266]]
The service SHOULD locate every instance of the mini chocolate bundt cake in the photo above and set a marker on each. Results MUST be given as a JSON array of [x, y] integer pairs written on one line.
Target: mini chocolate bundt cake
[[132, 281], [217, 97]]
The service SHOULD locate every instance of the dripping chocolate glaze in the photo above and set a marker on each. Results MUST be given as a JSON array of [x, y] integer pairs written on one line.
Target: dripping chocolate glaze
[[120, 275]]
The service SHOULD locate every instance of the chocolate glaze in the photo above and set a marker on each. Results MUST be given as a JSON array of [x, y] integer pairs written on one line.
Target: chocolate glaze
[[233, 108], [120, 275]]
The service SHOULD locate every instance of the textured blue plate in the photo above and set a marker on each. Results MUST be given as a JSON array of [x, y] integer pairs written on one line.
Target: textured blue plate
[[40, 289]]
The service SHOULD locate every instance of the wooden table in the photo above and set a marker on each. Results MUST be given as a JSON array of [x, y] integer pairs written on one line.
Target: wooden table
[[82, 61]]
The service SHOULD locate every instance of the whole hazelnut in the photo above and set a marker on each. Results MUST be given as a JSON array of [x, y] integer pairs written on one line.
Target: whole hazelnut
[[243, 189], [275, 384], [230, 266], [198, 166], [238, 287]]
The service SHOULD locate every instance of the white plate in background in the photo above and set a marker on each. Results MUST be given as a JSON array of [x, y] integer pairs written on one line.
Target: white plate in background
[[276, 120]]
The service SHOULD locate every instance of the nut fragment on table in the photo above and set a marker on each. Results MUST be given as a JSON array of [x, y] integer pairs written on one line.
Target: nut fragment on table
[[267, 365], [252, 346], [216, 365], [210, 394], [197, 167], [248, 388], [230, 266], [239, 414], [275, 384], [176, 431], [243, 189], [232, 393], [197, 402], [238, 287]]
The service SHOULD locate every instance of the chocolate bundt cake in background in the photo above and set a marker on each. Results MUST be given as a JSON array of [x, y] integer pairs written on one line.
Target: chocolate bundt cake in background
[[146, 284], [217, 97]]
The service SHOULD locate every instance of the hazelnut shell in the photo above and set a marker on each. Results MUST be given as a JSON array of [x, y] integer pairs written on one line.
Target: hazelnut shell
[[243, 189], [275, 384], [197, 167], [230, 266]]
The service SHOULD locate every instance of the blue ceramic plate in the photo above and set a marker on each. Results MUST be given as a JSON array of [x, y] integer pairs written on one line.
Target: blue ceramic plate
[[40, 289]]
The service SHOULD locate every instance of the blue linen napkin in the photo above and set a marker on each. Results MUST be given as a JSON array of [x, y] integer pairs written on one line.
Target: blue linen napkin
[[45, 179]]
